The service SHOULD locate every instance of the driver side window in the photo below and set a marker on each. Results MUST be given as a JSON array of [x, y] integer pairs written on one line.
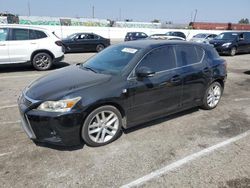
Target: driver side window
[[160, 59]]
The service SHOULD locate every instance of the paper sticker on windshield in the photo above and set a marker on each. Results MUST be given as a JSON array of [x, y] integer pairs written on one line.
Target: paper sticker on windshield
[[129, 50], [1, 31]]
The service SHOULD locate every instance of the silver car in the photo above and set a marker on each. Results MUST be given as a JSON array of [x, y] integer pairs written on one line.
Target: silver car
[[203, 37]]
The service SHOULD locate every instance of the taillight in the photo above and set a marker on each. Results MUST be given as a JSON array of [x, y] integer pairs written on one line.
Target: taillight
[[59, 43]]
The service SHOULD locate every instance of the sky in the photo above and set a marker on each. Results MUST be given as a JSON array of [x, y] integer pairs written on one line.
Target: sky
[[138, 10]]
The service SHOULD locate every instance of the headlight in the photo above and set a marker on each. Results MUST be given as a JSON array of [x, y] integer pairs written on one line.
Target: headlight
[[226, 44], [59, 106]]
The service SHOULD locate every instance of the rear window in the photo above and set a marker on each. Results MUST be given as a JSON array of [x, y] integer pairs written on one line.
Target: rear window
[[188, 55], [212, 53], [35, 34]]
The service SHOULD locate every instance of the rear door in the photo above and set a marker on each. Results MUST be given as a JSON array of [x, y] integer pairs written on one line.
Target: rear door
[[159, 94], [4, 46], [247, 38], [20, 45], [193, 70]]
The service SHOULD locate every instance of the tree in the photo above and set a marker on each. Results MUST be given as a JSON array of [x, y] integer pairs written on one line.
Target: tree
[[155, 21], [244, 21]]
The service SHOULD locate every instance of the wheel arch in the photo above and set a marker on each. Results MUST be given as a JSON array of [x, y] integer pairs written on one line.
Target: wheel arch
[[42, 51], [116, 105]]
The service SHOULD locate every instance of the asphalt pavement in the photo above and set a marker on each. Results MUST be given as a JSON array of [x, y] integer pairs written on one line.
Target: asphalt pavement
[[194, 148]]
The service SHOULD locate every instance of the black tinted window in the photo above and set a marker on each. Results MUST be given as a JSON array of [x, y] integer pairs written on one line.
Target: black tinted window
[[187, 55], [247, 36], [3, 34], [20, 34], [40, 34], [159, 59]]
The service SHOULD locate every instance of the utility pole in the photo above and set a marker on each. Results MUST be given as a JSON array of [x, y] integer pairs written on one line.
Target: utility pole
[[93, 11], [195, 14], [28, 8], [120, 14]]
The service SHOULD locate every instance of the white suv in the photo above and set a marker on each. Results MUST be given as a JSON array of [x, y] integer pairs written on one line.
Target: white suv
[[21, 44]]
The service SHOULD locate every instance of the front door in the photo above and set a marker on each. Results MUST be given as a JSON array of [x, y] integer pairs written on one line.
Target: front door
[[4, 46], [158, 94]]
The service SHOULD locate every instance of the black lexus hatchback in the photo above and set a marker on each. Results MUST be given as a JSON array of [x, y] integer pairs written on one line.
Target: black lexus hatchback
[[122, 86]]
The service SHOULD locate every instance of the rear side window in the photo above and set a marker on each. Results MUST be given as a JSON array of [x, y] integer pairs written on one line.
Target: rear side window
[[188, 55], [20, 34], [160, 59], [3, 34], [35, 34]]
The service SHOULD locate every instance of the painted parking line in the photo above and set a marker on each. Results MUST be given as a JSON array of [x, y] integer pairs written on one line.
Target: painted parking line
[[3, 154], [181, 162], [8, 106], [23, 76], [241, 99], [9, 122]]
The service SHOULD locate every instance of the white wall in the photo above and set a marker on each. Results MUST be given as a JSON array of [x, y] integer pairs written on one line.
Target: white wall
[[115, 33]]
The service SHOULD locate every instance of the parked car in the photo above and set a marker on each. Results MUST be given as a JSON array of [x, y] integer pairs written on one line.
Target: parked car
[[121, 87], [22, 44], [85, 42], [232, 43], [135, 36], [176, 34], [164, 37], [203, 37]]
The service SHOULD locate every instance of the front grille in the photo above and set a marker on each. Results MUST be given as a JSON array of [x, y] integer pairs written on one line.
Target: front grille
[[27, 127], [26, 102]]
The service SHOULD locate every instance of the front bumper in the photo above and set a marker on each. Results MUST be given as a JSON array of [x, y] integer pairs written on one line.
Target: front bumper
[[46, 127], [223, 50]]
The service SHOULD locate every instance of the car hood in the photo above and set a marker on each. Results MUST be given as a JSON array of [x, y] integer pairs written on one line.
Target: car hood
[[64, 81], [219, 42]]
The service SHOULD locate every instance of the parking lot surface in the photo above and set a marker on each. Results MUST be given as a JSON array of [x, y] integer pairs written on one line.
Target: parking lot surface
[[160, 144]]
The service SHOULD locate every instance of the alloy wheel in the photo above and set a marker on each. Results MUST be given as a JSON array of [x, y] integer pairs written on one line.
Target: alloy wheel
[[42, 61], [214, 95], [103, 127]]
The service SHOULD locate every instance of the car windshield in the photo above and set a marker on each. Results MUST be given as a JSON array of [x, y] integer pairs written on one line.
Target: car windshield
[[111, 60], [227, 36], [71, 36], [201, 36]]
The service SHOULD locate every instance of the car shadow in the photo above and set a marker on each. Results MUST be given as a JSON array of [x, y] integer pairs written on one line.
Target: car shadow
[[58, 147], [27, 67], [160, 120], [247, 72]]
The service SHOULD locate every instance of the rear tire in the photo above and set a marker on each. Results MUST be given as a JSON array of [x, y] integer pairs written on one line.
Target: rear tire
[[102, 126], [42, 61], [212, 96], [99, 47]]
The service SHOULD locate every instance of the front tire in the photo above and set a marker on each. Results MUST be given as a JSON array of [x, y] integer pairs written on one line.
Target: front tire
[[212, 96], [233, 51], [42, 61], [102, 126]]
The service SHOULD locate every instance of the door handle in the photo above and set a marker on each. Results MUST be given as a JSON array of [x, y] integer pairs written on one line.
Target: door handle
[[2, 44], [175, 79], [32, 43]]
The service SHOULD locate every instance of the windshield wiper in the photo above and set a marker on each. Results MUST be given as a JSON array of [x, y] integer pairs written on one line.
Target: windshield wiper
[[89, 68]]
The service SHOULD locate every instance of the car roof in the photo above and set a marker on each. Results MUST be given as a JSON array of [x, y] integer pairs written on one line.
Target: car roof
[[22, 26], [150, 44]]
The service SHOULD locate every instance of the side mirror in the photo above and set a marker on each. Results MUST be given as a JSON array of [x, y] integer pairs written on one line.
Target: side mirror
[[144, 72]]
